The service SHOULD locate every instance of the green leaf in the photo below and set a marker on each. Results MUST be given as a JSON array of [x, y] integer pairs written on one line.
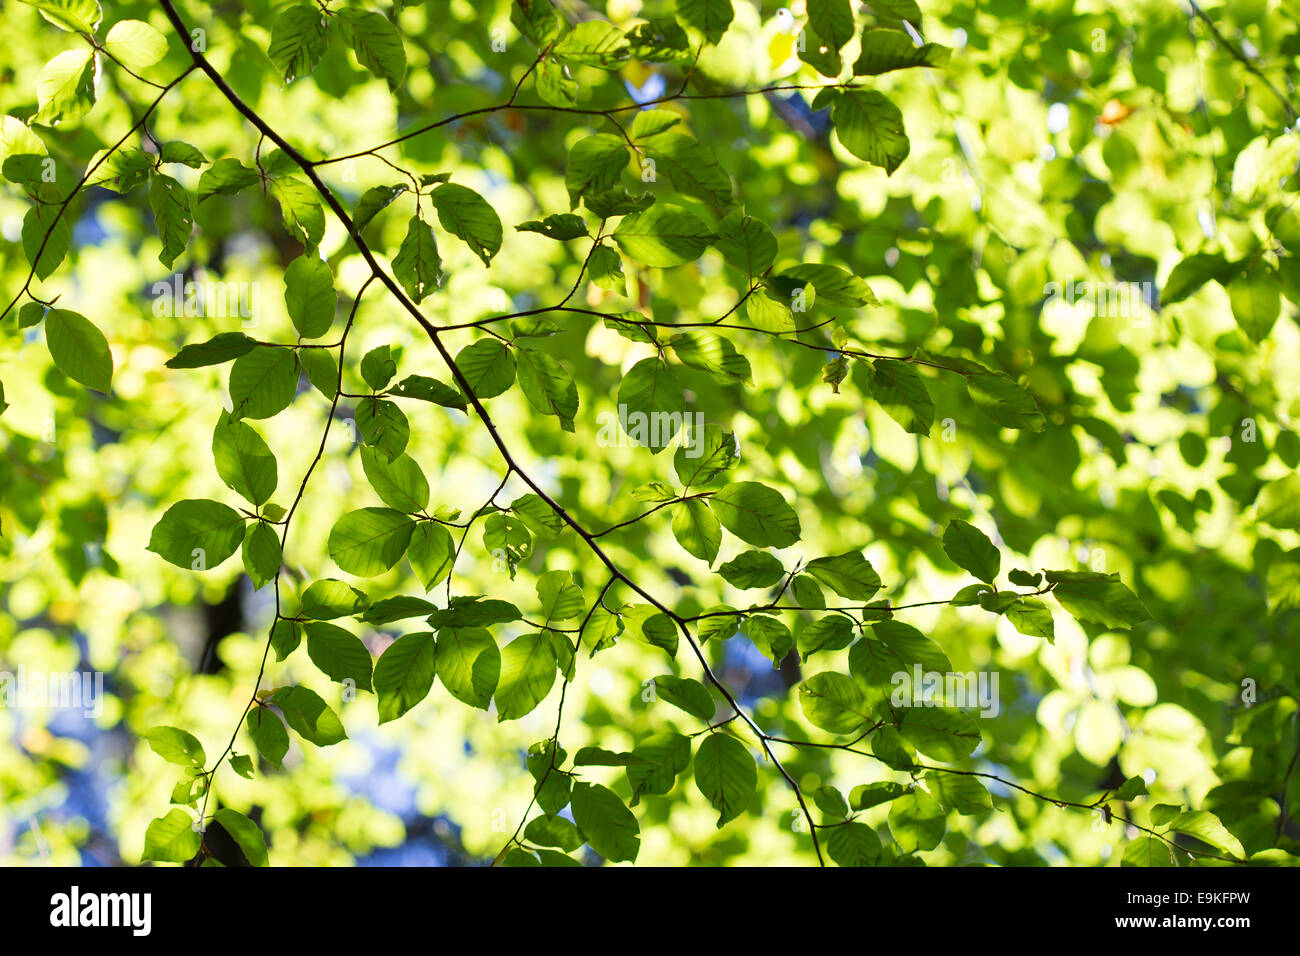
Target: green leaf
[[853, 844], [1102, 598], [961, 792], [268, 733], [831, 802], [308, 715], [1278, 503], [752, 569], [1207, 828], [561, 227], [431, 553], [894, 648], [65, 89], [1004, 402], [917, 821], [468, 664], [939, 732], [376, 43], [38, 223], [537, 20], [663, 236], [75, 16], [300, 210], [1163, 813], [756, 514], [217, 350], [79, 350], [608, 826], [617, 202], [595, 165], [261, 553], [833, 285], [819, 53], [710, 17], [373, 201], [655, 491], [770, 636], [834, 702], [417, 265], [834, 632], [1032, 617], [171, 215], [897, 10], [263, 382], [1256, 303], [527, 673], [696, 529], [171, 839], [971, 550], [135, 44], [383, 427], [404, 674], [378, 367], [177, 151], [832, 19], [176, 746], [245, 833], [726, 774], [560, 598], [595, 43], [659, 41], [553, 831], [488, 366], [338, 653], [902, 393], [474, 612], [547, 385], [369, 541], [652, 627], [244, 461], [849, 575], [120, 171], [400, 482], [686, 694], [705, 458], [666, 754], [286, 635], [885, 50], [1023, 578], [652, 405], [467, 215], [309, 296], [746, 243], [330, 598], [297, 40], [1148, 851], [692, 167], [197, 534], [1131, 789], [871, 128], [31, 171], [713, 354], [1193, 272], [808, 593], [429, 390], [873, 795], [226, 177], [396, 609]]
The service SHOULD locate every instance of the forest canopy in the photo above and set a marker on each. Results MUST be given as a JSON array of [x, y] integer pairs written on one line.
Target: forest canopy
[[672, 433]]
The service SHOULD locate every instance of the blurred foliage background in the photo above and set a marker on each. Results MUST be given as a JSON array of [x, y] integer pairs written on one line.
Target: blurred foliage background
[[1064, 141]]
